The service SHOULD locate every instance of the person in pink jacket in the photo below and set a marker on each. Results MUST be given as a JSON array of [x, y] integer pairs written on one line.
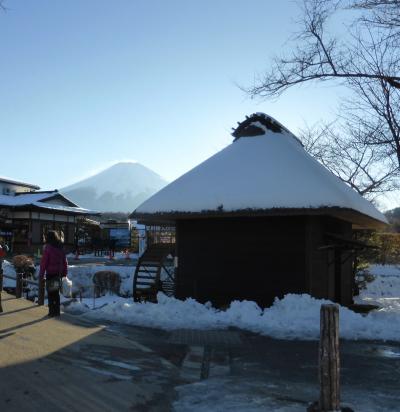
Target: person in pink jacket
[[54, 266]]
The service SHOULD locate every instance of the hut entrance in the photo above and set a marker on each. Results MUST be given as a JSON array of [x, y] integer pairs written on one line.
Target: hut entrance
[[342, 251], [155, 273]]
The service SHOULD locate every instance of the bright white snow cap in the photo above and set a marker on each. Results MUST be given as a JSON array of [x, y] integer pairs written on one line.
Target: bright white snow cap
[[265, 168]]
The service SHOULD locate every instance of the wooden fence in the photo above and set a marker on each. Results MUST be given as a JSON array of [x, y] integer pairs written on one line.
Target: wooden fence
[[21, 283]]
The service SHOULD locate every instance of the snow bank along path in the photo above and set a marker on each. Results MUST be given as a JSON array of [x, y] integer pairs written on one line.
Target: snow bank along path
[[81, 276], [293, 317]]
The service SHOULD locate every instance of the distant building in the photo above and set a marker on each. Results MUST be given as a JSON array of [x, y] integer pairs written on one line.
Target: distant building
[[118, 233], [11, 187], [26, 214], [261, 219]]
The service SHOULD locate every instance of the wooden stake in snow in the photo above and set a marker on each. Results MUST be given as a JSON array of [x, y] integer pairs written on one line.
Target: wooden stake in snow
[[1, 286], [18, 285], [41, 285], [329, 359]]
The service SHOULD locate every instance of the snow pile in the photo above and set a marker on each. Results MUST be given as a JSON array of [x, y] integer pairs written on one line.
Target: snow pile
[[293, 317], [117, 256], [385, 270], [385, 285], [82, 275], [8, 270], [169, 314]]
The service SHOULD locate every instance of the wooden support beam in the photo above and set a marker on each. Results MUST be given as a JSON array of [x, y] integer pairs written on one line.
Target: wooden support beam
[[329, 363], [329, 359], [338, 275], [1, 285], [41, 285], [205, 364], [18, 285]]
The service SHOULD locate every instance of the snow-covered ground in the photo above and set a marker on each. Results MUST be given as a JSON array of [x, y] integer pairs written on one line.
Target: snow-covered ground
[[293, 317], [8, 270], [221, 395], [81, 277], [117, 256]]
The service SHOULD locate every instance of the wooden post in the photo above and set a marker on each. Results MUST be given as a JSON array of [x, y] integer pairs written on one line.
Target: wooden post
[[1, 286], [41, 283], [338, 275], [329, 359], [18, 285], [205, 364]]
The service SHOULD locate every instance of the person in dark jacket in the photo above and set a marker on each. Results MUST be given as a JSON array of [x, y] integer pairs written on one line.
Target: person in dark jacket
[[54, 266]]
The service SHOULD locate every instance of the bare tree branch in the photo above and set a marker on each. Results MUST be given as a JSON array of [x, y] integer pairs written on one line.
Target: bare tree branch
[[381, 13], [366, 152], [319, 57], [360, 166]]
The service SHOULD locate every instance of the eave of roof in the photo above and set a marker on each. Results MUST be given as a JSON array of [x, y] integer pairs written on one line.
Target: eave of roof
[[16, 182], [56, 208], [359, 220], [38, 201]]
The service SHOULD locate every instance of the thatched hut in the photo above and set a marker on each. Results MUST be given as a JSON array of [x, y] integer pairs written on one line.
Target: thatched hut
[[260, 219]]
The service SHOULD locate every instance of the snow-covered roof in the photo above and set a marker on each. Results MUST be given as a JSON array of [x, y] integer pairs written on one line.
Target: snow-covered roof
[[18, 183], [43, 200], [265, 168], [25, 198]]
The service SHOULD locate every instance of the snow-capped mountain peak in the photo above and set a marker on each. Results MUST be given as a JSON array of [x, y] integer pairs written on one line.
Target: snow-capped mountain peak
[[119, 188]]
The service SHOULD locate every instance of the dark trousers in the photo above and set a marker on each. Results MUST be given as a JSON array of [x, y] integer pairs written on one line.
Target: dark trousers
[[53, 297]]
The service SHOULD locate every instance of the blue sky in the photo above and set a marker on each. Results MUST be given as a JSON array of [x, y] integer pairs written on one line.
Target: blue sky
[[86, 83]]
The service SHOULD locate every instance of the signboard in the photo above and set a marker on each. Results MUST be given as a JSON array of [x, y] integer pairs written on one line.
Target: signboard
[[5, 233], [122, 237]]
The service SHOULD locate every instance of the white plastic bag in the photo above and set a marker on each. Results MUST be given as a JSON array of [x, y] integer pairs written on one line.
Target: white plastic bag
[[66, 288]]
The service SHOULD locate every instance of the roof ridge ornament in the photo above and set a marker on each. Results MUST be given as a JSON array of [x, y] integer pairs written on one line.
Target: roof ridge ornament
[[256, 124]]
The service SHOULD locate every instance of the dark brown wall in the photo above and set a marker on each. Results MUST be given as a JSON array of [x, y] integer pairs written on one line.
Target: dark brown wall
[[36, 233], [258, 258], [248, 258]]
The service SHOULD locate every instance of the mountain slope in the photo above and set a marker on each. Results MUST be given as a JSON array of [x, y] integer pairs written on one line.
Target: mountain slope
[[120, 188]]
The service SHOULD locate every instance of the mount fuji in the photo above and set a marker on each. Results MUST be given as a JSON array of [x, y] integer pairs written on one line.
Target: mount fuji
[[120, 188]]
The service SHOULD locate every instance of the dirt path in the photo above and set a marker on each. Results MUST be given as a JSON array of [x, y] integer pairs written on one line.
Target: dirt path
[[67, 364], [72, 364]]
